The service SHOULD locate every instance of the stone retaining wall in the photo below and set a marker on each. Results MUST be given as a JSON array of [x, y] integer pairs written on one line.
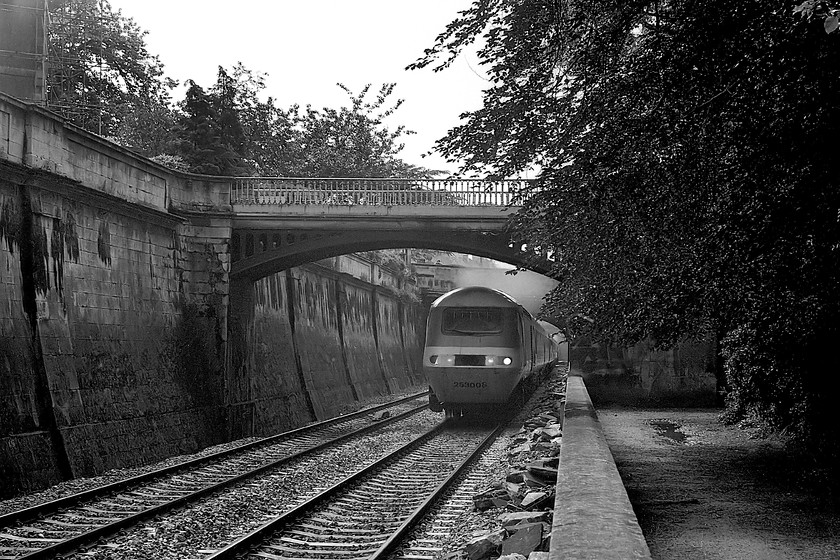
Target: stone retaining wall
[[26, 439], [364, 368], [123, 339], [114, 355], [110, 334], [265, 394], [309, 341], [641, 375]]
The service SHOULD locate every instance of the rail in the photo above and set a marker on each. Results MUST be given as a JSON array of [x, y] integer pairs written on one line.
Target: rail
[[280, 191], [133, 500]]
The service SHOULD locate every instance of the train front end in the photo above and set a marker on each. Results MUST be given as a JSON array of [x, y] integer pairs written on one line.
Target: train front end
[[472, 355]]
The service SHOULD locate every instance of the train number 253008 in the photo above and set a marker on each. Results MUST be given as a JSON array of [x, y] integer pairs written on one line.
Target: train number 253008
[[470, 384]]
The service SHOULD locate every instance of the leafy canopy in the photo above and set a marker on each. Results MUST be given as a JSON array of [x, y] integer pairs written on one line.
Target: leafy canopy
[[229, 130], [103, 78], [687, 185], [353, 141]]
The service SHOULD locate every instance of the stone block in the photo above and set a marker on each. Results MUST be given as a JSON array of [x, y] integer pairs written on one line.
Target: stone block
[[492, 497], [519, 517], [535, 500], [484, 546], [525, 540]]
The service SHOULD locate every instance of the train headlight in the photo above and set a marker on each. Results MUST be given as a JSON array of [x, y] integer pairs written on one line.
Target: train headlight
[[433, 359], [496, 361]]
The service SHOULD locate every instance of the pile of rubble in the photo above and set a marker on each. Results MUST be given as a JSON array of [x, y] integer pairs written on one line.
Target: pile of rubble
[[525, 498]]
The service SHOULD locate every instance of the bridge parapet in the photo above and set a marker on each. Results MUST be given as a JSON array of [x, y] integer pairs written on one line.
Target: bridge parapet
[[286, 191]]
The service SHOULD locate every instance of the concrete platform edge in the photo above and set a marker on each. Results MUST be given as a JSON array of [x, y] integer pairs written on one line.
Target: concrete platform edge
[[593, 517]]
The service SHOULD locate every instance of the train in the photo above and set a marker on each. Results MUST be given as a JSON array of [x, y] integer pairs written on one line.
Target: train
[[482, 349]]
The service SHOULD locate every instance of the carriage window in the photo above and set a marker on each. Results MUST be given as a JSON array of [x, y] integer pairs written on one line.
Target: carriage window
[[472, 320]]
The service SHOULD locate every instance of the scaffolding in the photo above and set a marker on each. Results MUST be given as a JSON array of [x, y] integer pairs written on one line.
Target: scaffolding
[[74, 62], [51, 53], [23, 47]]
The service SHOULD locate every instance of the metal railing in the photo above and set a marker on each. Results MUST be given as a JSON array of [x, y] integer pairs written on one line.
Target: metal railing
[[278, 191]]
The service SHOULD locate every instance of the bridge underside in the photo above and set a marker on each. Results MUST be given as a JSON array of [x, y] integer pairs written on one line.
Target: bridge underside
[[268, 238], [257, 253]]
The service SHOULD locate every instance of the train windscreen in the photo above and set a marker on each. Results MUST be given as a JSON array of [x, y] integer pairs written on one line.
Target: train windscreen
[[473, 320]]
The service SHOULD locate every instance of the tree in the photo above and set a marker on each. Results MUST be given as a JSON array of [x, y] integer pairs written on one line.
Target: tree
[[353, 141], [229, 130], [102, 77], [271, 141], [210, 135], [687, 184]]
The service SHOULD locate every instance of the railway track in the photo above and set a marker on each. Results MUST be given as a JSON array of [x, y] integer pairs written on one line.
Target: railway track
[[63, 525], [368, 514]]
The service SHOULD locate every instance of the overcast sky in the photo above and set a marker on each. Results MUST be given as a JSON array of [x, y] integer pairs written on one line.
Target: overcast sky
[[306, 46]]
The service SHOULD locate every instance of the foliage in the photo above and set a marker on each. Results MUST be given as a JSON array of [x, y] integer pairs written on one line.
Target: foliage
[[230, 131], [420, 255], [191, 354], [210, 135], [271, 143], [687, 186], [816, 10], [172, 162], [352, 141], [103, 79]]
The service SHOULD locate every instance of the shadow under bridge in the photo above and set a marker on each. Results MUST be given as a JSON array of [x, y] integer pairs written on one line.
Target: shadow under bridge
[[279, 223]]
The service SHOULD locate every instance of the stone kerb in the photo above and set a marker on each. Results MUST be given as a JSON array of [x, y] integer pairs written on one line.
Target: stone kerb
[[593, 517]]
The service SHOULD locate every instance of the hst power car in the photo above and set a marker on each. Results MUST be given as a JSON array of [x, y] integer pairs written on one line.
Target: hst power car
[[480, 345]]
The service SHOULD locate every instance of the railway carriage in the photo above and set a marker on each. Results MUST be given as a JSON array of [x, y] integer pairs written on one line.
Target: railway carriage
[[481, 346]]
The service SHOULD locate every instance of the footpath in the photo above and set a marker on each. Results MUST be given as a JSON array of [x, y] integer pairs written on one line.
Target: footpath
[[702, 490]]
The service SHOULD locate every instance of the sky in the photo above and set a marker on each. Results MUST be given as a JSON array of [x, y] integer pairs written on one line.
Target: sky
[[307, 46]]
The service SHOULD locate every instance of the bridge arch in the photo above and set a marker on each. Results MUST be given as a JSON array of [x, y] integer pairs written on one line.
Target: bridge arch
[[277, 250], [281, 223]]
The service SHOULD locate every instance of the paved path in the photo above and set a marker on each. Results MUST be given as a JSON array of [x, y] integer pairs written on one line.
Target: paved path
[[706, 491]]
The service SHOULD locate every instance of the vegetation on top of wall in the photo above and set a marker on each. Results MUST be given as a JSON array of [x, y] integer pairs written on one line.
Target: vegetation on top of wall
[[122, 93], [104, 78]]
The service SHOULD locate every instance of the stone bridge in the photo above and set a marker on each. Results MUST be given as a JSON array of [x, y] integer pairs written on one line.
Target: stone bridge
[[278, 223], [260, 225]]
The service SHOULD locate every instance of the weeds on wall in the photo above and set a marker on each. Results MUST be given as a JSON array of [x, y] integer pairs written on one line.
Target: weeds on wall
[[193, 353], [10, 225]]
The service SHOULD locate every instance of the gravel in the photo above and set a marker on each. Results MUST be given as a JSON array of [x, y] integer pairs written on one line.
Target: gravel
[[198, 529], [212, 523], [77, 485], [493, 467]]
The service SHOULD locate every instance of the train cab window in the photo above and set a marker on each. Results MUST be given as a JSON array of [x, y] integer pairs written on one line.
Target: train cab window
[[472, 320]]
